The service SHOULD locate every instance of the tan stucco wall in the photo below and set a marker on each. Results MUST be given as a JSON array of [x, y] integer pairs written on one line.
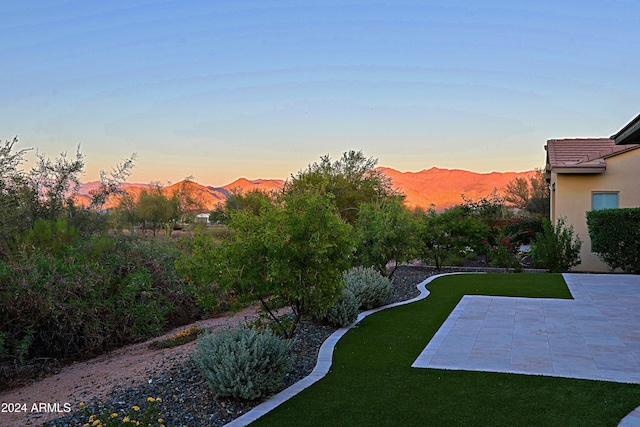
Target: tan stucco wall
[[572, 198]]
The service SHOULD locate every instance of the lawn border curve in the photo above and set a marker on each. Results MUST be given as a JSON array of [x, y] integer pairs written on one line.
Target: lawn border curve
[[325, 358]]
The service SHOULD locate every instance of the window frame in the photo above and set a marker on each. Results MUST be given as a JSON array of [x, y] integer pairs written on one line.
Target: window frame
[[604, 193]]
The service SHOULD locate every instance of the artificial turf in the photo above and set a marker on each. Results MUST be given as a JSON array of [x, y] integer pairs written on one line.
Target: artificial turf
[[371, 382]]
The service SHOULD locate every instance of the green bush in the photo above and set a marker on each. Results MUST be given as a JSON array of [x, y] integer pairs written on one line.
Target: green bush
[[345, 311], [370, 288], [243, 363], [555, 248], [85, 299], [523, 230], [615, 237]]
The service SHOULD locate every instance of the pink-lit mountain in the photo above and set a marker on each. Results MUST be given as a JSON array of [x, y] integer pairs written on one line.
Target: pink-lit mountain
[[440, 188]]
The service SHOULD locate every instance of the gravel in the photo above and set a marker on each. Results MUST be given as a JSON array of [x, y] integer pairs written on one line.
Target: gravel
[[186, 398]]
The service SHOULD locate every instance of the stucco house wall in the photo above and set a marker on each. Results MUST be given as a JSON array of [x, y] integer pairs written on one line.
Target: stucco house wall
[[571, 198]]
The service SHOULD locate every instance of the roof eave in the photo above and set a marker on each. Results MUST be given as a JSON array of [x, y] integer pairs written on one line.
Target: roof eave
[[630, 134], [579, 170]]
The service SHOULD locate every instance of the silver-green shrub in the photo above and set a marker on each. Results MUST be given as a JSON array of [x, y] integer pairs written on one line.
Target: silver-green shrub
[[243, 363], [370, 288], [345, 311]]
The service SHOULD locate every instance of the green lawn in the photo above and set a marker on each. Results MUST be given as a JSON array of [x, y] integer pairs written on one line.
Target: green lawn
[[371, 382]]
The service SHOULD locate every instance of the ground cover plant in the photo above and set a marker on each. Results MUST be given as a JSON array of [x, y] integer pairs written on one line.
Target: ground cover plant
[[371, 381]]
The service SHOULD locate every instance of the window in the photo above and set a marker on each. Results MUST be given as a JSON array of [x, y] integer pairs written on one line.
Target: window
[[604, 201]]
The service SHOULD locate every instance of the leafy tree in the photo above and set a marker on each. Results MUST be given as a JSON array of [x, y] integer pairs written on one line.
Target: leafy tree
[[444, 235], [292, 252], [157, 210], [556, 248], [46, 192], [386, 232], [529, 194], [187, 201], [351, 180]]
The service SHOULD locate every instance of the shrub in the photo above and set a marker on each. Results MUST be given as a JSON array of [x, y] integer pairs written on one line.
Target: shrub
[[243, 363], [615, 237], [345, 311], [370, 288], [555, 248], [179, 338], [85, 299]]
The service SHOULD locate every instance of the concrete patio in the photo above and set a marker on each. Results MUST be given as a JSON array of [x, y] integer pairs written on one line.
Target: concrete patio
[[594, 336]]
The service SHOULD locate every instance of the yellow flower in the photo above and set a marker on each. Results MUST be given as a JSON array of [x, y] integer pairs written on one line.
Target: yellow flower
[[86, 425], [158, 399], [150, 399], [91, 418], [126, 420], [96, 422], [136, 408], [81, 405], [114, 415], [160, 420]]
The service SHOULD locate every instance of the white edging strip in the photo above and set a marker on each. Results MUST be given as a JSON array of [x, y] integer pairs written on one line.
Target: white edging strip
[[324, 361]]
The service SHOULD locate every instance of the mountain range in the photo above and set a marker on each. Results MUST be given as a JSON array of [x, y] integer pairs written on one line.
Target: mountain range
[[435, 187]]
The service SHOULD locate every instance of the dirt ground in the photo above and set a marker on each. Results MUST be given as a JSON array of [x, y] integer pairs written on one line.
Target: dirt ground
[[80, 382]]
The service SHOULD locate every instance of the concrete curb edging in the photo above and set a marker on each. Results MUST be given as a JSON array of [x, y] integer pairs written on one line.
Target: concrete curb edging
[[325, 358]]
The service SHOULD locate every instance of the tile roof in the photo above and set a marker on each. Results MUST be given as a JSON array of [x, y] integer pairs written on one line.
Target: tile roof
[[583, 153]]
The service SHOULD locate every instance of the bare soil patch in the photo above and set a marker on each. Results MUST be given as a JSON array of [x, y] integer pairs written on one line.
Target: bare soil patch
[[94, 378]]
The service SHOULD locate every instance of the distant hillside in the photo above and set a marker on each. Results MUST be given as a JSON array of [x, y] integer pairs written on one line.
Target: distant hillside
[[441, 188]]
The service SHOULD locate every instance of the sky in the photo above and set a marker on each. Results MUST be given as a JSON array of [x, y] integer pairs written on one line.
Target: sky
[[219, 89]]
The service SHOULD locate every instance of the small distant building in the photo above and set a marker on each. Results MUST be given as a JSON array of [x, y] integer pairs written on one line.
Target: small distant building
[[203, 218]]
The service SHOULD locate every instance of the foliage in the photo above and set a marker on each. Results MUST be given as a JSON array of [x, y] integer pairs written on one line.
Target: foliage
[[531, 195], [522, 230], [156, 210], [53, 236], [555, 248], [199, 266], [443, 235], [345, 311], [370, 288], [150, 416], [386, 232], [487, 209], [615, 237], [47, 192], [351, 181], [89, 297], [185, 201], [297, 251], [179, 338], [243, 363], [505, 254]]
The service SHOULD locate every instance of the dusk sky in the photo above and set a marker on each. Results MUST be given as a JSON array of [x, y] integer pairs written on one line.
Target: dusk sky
[[260, 89]]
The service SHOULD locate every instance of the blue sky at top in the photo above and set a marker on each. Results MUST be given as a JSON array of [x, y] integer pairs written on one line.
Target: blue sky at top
[[222, 89]]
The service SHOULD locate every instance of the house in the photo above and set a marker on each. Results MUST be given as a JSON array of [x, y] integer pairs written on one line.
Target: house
[[203, 218], [593, 173]]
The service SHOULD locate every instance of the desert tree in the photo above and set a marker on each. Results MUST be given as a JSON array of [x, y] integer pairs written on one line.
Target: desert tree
[[387, 232], [351, 180], [528, 194], [290, 252], [156, 210]]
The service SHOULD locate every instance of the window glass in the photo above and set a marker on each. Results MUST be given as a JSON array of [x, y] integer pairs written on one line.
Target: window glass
[[604, 201]]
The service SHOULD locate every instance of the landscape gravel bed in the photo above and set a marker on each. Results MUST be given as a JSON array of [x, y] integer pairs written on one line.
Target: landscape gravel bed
[[186, 398]]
